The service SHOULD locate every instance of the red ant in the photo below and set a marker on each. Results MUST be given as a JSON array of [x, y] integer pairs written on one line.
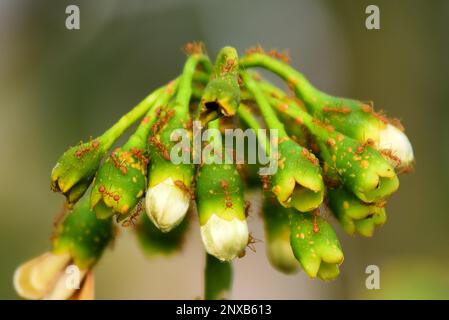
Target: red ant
[[83, 150], [389, 154], [158, 144], [138, 153], [224, 184], [103, 191], [265, 182], [136, 213], [316, 228], [310, 156], [181, 185], [247, 208], [368, 143], [119, 164]]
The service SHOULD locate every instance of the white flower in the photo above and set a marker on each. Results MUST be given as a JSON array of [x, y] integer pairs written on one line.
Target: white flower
[[391, 138], [224, 239], [166, 204], [46, 277]]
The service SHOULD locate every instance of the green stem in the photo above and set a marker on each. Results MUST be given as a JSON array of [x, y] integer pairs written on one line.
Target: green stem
[[113, 133], [268, 113], [185, 84], [303, 88], [245, 114], [278, 99], [139, 138]]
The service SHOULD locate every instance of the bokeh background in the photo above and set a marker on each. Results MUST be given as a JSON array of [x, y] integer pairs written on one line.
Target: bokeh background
[[59, 86]]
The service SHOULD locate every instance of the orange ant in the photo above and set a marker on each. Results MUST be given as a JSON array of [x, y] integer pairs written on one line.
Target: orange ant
[[83, 150], [255, 49], [136, 213], [283, 56], [389, 154], [228, 66], [138, 153], [368, 143], [310, 156], [103, 191], [343, 110], [265, 182], [316, 228], [161, 148], [193, 48], [119, 164], [247, 208], [225, 185], [181, 185]]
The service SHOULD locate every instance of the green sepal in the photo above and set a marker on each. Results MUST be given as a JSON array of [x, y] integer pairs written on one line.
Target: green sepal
[[219, 191], [82, 235], [157, 243], [120, 182], [160, 146], [221, 97], [76, 168], [298, 182], [315, 245], [277, 235], [362, 169], [217, 278], [354, 215]]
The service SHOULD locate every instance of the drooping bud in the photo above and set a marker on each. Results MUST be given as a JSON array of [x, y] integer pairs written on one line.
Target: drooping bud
[[354, 215], [277, 234], [315, 245], [221, 210], [221, 97], [298, 182]]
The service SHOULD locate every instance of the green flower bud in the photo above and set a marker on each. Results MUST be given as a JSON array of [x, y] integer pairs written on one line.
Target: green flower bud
[[315, 245], [354, 215], [168, 195], [298, 182], [121, 180], [77, 167], [82, 235], [79, 240], [362, 169], [217, 279], [156, 243], [221, 97], [354, 118], [277, 234], [221, 210]]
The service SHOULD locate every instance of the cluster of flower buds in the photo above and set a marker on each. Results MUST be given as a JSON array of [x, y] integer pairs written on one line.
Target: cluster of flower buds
[[333, 156]]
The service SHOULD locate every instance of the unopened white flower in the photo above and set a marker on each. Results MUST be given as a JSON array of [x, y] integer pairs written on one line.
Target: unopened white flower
[[224, 239], [166, 204], [45, 277], [391, 138]]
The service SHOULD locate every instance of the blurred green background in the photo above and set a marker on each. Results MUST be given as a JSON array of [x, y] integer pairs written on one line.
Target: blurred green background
[[59, 86]]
